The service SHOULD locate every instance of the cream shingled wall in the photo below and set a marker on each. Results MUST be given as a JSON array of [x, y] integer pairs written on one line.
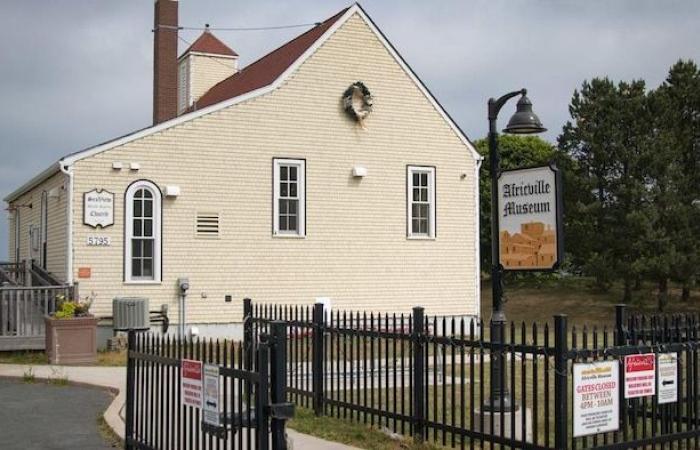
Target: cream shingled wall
[[356, 251], [57, 227], [206, 71]]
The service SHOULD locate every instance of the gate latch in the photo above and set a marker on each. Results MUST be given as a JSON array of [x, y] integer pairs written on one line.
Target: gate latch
[[283, 411]]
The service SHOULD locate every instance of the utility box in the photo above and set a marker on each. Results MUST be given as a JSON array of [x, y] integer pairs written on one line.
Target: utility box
[[130, 313]]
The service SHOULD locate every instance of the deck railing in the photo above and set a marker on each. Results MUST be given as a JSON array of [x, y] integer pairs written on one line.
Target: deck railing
[[22, 311]]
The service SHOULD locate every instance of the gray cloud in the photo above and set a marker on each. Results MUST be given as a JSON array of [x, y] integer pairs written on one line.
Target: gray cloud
[[77, 72]]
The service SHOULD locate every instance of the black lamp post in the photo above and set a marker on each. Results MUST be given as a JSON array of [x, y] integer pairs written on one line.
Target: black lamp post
[[524, 121]]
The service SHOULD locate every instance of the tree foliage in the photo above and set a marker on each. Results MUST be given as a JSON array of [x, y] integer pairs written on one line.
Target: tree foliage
[[633, 182]]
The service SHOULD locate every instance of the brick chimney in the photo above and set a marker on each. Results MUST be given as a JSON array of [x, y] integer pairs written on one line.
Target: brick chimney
[[165, 61]]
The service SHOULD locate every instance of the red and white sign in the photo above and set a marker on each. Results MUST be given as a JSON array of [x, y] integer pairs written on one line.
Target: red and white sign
[[640, 375], [191, 385]]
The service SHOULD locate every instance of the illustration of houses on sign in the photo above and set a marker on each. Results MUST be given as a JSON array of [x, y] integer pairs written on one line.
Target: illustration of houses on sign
[[534, 246]]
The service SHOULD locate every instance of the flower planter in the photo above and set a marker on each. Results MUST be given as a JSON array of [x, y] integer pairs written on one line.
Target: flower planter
[[71, 341]]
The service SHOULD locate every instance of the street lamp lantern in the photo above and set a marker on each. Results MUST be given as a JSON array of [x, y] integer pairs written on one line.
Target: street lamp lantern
[[524, 121]]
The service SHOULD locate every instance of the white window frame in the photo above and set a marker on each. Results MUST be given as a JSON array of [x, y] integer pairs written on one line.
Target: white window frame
[[300, 164], [430, 171], [129, 232]]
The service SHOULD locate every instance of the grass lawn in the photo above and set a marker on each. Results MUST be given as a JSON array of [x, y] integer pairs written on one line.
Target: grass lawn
[[104, 358], [579, 300], [351, 433]]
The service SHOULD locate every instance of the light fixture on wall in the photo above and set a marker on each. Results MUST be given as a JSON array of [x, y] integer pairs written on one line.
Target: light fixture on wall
[[359, 171], [134, 166], [117, 165], [172, 191]]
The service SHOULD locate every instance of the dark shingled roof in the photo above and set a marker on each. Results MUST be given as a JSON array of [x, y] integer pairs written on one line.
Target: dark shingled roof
[[208, 43], [267, 69]]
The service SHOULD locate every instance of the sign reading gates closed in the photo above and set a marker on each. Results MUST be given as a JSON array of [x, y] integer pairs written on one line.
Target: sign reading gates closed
[[530, 222], [596, 397]]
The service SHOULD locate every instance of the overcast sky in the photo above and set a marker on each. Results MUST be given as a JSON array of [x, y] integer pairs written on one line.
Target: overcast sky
[[74, 73]]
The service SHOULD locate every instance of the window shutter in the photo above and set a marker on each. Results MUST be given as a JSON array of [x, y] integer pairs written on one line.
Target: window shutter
[[207, 225]]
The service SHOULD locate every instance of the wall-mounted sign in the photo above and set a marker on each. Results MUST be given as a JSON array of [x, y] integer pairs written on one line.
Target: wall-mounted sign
[[210, 405], [191, 384], [84, 272], [596, 397], [98, 208], [529, 219], [667, 381], [640, 375], [98, 241]]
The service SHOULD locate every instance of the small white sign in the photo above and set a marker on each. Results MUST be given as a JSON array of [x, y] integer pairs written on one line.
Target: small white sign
[[99, 241], [98, 208], [210, 406], [191, 384], [640, 375], [596, 397], [667, 381]]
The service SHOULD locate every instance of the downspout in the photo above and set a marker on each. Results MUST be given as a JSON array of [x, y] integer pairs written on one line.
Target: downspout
[[477, 226], [68, 170]]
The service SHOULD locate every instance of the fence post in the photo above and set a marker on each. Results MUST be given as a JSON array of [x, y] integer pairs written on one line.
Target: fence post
[[278, 377], [262, 398], [418, 342], [248, 334], [129, 425], [317, 367], [620, 325], [561, 373]]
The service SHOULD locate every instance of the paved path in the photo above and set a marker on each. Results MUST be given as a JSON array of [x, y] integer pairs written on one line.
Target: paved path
[[114, 378], [69, 422]]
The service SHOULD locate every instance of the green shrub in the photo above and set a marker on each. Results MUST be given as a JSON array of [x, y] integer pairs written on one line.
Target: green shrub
[[67, 309]]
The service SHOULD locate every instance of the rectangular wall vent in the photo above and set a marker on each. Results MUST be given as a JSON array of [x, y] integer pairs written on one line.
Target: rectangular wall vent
[[207, 225]]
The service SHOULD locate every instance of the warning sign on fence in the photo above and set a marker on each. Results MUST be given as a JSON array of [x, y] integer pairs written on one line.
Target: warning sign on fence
[[640, 375], [210, 406], [191, 385], [596, 397], [668, 378]]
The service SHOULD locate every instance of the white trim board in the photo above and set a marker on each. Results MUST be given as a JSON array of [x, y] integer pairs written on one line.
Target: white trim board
[[354, 9]]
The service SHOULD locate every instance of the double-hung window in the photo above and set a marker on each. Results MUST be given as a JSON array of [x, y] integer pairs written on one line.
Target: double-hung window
[[289, 197], [142, 250], [420, 206]]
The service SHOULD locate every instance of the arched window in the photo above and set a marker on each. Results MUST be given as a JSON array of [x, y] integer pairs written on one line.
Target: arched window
[[142, 246]]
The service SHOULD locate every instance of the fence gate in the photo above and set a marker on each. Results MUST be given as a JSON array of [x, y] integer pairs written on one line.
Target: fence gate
[[241, 392]]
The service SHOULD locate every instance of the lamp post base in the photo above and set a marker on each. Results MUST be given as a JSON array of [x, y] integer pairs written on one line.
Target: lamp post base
[[497, 404], [506, 419]]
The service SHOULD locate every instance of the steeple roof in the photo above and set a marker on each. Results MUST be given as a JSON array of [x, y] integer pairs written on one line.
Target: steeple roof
[[208, 43]]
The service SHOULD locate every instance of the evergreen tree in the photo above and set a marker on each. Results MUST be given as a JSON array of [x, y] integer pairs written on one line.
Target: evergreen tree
[[675, 181], [608, 140]]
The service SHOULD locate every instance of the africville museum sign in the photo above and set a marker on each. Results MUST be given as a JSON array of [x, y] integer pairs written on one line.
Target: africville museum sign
[[530, 222]]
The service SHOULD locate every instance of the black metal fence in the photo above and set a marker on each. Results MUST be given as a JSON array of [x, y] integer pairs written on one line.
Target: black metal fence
[[432, 381], [251, 395]]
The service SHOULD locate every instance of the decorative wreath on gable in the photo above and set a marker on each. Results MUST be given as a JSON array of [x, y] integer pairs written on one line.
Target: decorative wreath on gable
[[357, 101]]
